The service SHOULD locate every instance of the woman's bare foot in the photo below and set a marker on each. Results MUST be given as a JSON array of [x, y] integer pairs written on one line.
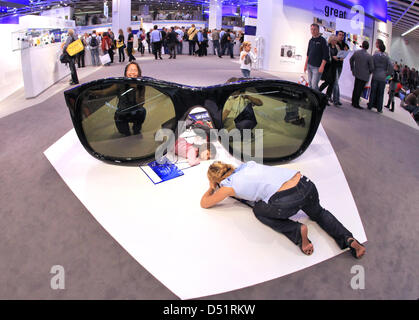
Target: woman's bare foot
[[360, 250], [307, 246]]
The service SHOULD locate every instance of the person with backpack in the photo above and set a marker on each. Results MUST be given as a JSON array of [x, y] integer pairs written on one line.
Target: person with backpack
[[94, 48], [71, 38], [192, 37]]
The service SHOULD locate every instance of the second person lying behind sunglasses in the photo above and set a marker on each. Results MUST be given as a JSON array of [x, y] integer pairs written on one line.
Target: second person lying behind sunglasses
[[278, 193]]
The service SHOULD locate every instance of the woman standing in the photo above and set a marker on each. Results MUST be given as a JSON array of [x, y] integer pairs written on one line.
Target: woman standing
[[382, 68], [329, 73], [121, 40], [247, 58], [394, 80], [278, 193], [107, 47]]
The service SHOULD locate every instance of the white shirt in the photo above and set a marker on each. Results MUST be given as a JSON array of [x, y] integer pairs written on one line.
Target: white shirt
[[253, 59]]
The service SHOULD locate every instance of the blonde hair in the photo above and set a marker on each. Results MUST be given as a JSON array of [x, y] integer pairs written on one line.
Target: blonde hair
[[331, 38], [245, 44], [218, 171]]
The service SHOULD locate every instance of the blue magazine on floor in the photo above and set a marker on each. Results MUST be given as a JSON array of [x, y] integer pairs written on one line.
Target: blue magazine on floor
[[163, 171]]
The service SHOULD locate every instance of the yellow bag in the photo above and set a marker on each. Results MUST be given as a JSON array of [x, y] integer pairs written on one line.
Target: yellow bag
[[75, 47], [119, 44]]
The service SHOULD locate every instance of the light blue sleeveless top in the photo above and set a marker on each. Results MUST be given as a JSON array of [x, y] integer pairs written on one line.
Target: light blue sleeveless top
[[253, 182]]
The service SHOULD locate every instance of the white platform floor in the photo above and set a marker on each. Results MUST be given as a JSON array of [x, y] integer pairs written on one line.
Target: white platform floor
[[198, 252]]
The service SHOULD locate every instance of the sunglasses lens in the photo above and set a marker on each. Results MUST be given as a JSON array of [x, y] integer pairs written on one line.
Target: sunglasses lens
[[283, 113], [121, 120]]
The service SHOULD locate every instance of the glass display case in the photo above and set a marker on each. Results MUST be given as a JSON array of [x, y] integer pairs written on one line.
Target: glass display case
[[38, 37]]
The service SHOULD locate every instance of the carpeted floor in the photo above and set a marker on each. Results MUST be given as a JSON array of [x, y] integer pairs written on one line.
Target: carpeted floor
[[43, 223]]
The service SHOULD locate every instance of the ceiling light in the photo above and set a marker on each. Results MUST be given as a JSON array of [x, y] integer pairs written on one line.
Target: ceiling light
[[410, 30]]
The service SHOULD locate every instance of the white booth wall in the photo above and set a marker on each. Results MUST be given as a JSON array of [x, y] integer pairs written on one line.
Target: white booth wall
[[287, 23], [11, 78], [405, 53]]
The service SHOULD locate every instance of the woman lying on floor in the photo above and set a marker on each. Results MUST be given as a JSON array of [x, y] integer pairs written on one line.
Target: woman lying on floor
[[277, 193]]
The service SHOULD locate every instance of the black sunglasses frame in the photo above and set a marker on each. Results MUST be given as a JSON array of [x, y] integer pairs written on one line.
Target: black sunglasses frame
[[186, 98]]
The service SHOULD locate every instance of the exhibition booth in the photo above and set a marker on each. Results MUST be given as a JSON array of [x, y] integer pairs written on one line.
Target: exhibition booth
[[284, 27]]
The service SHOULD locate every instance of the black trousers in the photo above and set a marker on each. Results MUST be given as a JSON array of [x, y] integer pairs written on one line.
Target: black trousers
[[73, 70], [172, 50], [141, 48], [391, 95], [121, 54], [356, 93], [282, 205], [111, 54], [191, 47], [330, 85], [130, 56], [157, 49], [199, 52], [377, 95], [80, 59]]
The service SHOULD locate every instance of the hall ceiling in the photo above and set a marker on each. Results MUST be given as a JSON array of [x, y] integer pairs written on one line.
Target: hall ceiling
[[404, 15]]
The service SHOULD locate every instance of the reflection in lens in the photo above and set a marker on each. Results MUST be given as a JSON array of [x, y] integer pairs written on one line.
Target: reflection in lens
[[120, 120], [284, 114]]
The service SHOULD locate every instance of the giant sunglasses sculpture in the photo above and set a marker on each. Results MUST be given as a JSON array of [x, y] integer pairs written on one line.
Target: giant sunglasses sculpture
[[116, 119]]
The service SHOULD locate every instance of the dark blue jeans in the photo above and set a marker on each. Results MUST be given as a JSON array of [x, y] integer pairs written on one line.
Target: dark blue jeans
[[304, 196], [377, 95]]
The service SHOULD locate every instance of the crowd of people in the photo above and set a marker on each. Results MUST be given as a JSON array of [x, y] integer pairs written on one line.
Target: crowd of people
[[167, 40], [325, 63]]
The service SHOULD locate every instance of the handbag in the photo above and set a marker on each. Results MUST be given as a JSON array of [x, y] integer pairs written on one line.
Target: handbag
[[105, 59], [119, 44], [64, 58], [75, 47]]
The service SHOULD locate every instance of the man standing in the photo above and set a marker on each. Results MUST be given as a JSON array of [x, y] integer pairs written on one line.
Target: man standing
[[192, 32], [216, 42], [94, 48], [341, 45], [71, 37], [223, 41], [179, 44], [130, 44], [362, 66], [172, 39], [156, 42], [317, 56], [230, 44]]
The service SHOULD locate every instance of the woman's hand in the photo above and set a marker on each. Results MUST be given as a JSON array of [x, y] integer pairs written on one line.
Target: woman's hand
[[255, 50], [213, 196]]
